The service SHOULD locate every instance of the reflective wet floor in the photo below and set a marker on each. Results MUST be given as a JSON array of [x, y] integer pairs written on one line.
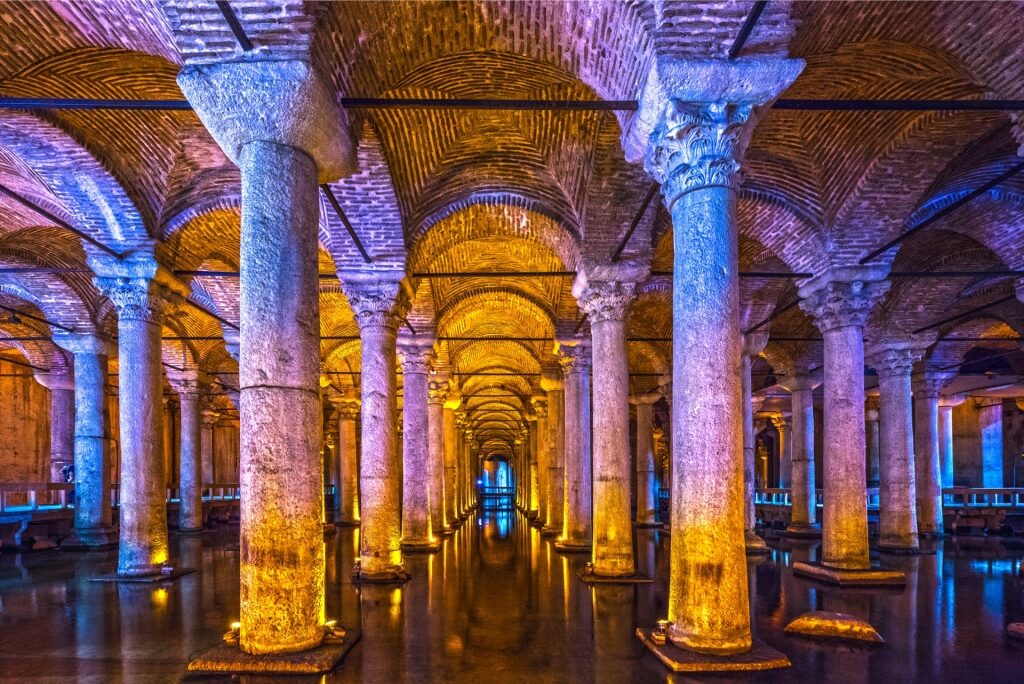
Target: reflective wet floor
[[498, 604]]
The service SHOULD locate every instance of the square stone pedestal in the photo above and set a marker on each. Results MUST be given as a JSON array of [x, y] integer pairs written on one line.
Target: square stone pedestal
[[144, 579], [872, 577], [590, 577], [431, 547], [228, 658], [572, 547], [759, 657]]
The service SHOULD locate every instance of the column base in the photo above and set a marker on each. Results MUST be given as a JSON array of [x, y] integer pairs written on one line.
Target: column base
[[537, 522], [347, 523], [191, 530], [97, 539], [550, 531], [573, 546], [421, 546], [754, 545], [446, 531], [532, 514], [1015, 630], [868, 577], [229, 658], [587, 575], [166, 575], [932, 535], [393, 575], [803, 530], [759, 657], [329, 530], [899, 550], [647, 524], [825, 624]]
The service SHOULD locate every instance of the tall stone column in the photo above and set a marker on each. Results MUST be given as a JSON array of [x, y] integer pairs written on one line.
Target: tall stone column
[[280, 123], [377, 309], [206, 444], [437, 394], [990, 424], [894, 363], [693, 152], [540, 409], [93, 528], [872, 436], [839, 300], [576, 524], [450, 442], [646, 485], [552, 384], [190, 481], [606, 303], [534, 486], [140, 290], [347, 406], [926, 387], [753, 344], [946, 405], [416, 355], [802, 492], [784, 425], [62, 420]]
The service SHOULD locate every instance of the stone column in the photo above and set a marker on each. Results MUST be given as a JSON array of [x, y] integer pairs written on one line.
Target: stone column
[[606, 303], [209, 423], [894, 362], [926, 387], [416, 355], [190, 482], [376, 306], [839, 300], [576, 529], [540, 409], [662, 459], [946, 405], [450, 442], [646, 485], [753, 344], [437, 394], [871, 405], [700, 110], [802, 493], [140, 290], [990, 423], [280, 123], [93, 528], [552, 384], [62, 420], [784, 424], [347, 406], [534, 486]]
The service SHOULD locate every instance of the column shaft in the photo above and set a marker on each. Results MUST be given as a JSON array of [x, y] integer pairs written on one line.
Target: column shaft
[[436, 466], [543, 436], [576, 532], [556, 461], [990, 422], [926, 459], [450, 444], [646, 486], [416, 523], [897, 495], [190, 487], [802, 491], [348, 463], [946, 444], [62, 431]]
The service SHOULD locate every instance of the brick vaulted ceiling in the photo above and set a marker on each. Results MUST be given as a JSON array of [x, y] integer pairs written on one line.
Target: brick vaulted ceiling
[[449, 190]]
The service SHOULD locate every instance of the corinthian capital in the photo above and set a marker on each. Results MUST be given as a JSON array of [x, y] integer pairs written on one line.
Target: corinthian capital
[[843, 297], [574, 356], [605, 300], [416, 353], [437, 392], [377, 303], [139, 288]]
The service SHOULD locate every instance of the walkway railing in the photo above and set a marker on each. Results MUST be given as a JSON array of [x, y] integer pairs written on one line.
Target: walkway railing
[[22, 497], [497, 497], [953, 497]]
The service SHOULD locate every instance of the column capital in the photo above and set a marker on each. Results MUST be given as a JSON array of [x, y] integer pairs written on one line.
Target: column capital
[[951, 400], [782, 420], [346, 404], [574, 356], [137, 285], [376, 302], [929, 384], [185, 381], [649, 399], [56, 380], [754, 343], [454, 397], [437, 392], [416, 353], [551, 381], [282, 101], [540, 406], [85, 343], [802, 381], [604, 300], [985, 402], [893, 358], [209, 417], [843, 296]]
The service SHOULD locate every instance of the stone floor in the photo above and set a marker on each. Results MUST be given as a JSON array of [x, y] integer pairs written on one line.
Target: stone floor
[[499, 605]]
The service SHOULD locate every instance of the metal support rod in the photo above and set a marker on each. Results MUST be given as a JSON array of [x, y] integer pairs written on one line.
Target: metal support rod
[[28, 204], [748, 26], [236, 27], [329, 194], [33, 317], [1006, 175], [211, 314], [775, 314], [975, 310], [635, 222], [16, 362]]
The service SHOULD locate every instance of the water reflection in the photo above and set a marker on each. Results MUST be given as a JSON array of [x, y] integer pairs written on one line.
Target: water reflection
[[499, 604]]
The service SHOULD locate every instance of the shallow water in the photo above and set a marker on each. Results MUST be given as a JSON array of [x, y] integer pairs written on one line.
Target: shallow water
[[498, 604]]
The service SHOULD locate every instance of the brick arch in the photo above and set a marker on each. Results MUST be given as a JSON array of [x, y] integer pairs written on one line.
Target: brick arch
[[497, 311], [42, 354], [949, 354]]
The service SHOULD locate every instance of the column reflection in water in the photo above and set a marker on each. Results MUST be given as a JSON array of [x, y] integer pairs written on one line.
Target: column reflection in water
[[613, 632]]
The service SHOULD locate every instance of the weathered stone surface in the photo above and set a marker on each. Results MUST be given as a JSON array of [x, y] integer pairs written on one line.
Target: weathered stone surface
[[820, 623], [759, 657]]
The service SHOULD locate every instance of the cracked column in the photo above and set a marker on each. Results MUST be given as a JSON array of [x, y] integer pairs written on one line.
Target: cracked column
[[378, 304], [802, 491], [927, 387], [140, 291], [347, 406], [450, 443], [190, 480], [700, 111], [897, 528], [93, 528], [839, 301], [437, 393], [62, 420], [646, 485], [606, 301], [753, 344], [280, 123], [540, 409], [576, 520], [416, 355], [551, 382]]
